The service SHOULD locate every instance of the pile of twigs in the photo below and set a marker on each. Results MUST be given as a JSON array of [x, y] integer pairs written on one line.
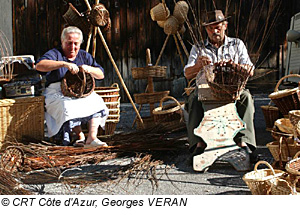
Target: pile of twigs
[[10, 186]]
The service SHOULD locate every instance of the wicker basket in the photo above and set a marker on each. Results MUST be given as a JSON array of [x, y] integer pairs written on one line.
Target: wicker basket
[[77, 85], [161, 23], [289, 138], [284, 125], [160, 12], [294, 116], [99, 15], [293, 168], [288, 99], [109, 94], [282, 150], [260, 181], [171, 25], [21, 117], [226, 81], [149, 71], [150, 98], [281, 187], [73, 17], [168, 113], [180, 11], [271, 114]]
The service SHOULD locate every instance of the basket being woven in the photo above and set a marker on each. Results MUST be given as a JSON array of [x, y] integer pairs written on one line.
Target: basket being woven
[[260, 181], [288, 99], [77, 85], [226, 80]]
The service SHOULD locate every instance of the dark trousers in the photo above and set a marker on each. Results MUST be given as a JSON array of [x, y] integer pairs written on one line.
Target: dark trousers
[[245, 109]]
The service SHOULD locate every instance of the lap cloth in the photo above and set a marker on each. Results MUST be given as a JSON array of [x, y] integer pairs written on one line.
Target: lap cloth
[[62, 110]]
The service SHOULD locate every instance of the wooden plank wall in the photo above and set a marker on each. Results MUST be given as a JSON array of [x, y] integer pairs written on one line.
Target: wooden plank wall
[[37, 25]]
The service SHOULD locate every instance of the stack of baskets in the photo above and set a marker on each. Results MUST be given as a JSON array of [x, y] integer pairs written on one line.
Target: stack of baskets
[[111, 97], [285, 130]]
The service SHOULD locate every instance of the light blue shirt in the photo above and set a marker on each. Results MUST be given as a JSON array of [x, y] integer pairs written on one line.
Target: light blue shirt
[[233, 49]]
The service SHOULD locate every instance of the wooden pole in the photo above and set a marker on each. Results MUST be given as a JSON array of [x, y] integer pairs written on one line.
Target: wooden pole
[[182, 44], [162, 50], [94, 42], [178, 48], [89, 41]]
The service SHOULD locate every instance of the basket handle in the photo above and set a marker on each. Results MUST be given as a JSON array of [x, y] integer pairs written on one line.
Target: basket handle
[[284, 77], [266, 163], [296, 155], [190, 82], [115, 85], [167, 98]]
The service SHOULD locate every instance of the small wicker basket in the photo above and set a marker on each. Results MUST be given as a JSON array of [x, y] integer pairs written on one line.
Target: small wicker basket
[[171, 25], [99, 15], [160, 12], [288, 99], [180, 11], [260, 181], [77, 85], [282, 150], [271, 114], [171, 113], [73, 17]]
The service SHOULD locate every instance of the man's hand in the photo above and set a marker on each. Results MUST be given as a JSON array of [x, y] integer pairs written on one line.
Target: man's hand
[[192, 71], [202, 61], [73, 68]]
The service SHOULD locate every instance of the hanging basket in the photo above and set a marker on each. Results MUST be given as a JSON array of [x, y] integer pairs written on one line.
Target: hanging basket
[[180, 11], [77, 85], [260, 181], [99, 15], [73, 17], [171, 25], [160, 12], [288, 99]]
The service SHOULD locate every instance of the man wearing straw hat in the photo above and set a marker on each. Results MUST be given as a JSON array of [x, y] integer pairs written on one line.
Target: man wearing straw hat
[[219, 48], [64, 115]]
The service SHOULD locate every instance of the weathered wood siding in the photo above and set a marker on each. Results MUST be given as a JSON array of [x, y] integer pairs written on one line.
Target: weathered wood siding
[[37, 25]]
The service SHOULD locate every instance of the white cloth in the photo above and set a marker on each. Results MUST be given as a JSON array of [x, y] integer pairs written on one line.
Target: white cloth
[[60, 108]]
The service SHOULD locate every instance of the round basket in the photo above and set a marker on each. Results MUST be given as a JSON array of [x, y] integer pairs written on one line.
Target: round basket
[[188, 90], [168, 113], [73, 17], [161, 23], [294, 116], [180, 11], [160, 12], [149, 71], [171, 25], [226, 81], [182, 29], [271, 114], [293, 166], [288, 99], [282, 150], [99, 15], [150, 98], [284, 125], [77, 85], [109, 94], [260, 181]]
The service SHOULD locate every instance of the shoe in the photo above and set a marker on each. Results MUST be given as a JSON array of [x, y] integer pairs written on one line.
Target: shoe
[[97, 143], [79, 143]]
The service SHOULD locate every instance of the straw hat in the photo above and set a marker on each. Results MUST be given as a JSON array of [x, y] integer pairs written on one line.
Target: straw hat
[[213, 17]]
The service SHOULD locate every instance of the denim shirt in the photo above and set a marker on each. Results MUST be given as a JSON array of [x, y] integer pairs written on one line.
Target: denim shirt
[[233, 49]]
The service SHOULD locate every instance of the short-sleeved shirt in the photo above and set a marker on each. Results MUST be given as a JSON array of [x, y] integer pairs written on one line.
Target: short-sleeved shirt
[[233, 49], [57, 54]]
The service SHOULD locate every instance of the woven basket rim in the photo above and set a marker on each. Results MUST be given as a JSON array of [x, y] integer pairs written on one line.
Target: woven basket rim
[[159, 110], [295, 159]]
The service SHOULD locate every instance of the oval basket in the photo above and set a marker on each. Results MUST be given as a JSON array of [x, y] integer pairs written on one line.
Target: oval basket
[[150, 98], [149, 71], [171, 26], [288, 99], [168, 113], [77, 85], [260, 181]]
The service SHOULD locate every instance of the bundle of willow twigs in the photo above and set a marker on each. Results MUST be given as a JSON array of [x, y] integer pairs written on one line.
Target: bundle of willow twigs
[[10, 186]]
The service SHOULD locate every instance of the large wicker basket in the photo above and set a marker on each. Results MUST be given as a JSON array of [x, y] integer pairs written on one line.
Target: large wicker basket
[[288, 99], [260, 181], [109, 94], [149, 71]]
